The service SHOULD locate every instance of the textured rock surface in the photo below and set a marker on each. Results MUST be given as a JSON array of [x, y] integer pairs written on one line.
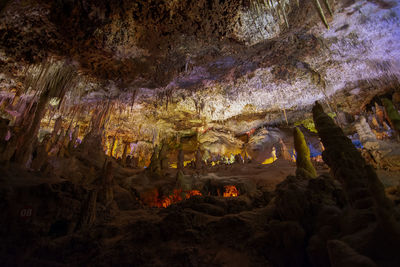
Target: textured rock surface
[[171, 70], [160, 133]]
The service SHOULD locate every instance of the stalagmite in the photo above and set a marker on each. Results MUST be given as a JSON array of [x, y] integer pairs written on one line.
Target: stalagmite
[[182, 182], [41, 154], [88, 212], [303, 162], [369, 206], [341, 255], [108, 182], [155, 164], [4, 128], [364, 131], [198, 160], [285, 153], [180, 160], [239, 159], [123, 159], [163, 156], [63, 151], [392, 114], [380, 114]]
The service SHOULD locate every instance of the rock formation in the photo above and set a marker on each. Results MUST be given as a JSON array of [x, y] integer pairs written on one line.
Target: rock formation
[[303, 162], [371, 214], [180, 160], [392, 114], [100, 98], [155, 163]]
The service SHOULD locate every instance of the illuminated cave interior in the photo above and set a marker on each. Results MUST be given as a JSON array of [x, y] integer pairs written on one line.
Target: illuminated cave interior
[[200, 133]]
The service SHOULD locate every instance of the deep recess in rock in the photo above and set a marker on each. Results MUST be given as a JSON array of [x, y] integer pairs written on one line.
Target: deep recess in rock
[[200, 133]]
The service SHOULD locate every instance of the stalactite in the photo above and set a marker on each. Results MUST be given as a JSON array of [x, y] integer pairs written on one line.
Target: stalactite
[[328, 6], [53, 80], [72, 144], [282, 8], [124, 153], [24, 150], [112, 147], [321, 13]]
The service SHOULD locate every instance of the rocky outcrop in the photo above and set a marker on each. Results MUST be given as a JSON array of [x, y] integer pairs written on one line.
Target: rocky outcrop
[[341, 255], [370, 215]]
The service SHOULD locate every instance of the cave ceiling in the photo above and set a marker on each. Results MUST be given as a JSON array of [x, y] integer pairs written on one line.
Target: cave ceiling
[[180, 66]]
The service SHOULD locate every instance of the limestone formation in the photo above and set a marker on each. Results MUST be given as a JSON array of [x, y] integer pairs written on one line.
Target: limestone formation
[[41, 154], [180, 160], [198, 160], [370, 209], [155, 165], [73, 143], [183, 182], [57, 126], [108, 177], [4, 128], [303, 161], [392, 114], [364, 131], [341, 255], [380, 114], [380, 154], [163, 156], [125, 150], [197, 83], [88, 212], [285, 153]]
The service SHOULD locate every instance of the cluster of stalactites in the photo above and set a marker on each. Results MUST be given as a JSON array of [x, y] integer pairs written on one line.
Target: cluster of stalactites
[[281, 7]]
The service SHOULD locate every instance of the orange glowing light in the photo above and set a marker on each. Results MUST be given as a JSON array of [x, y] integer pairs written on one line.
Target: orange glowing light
[[231, 191], [153, 199], [191, 193]]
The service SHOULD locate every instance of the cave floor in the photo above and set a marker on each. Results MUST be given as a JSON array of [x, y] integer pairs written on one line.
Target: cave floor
[[200, 231]]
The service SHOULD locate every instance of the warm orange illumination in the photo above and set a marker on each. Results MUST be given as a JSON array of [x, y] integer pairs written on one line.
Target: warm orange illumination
[[152, 198], [231, 191], [191, 193]]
